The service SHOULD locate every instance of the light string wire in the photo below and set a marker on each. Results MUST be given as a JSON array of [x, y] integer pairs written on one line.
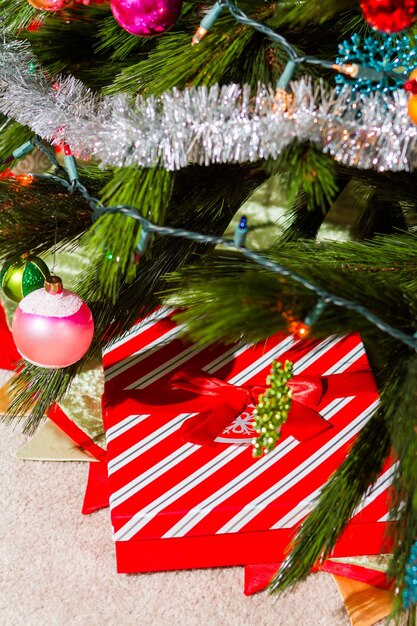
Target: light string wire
[[241, 17], [294, 58], [327, 297]]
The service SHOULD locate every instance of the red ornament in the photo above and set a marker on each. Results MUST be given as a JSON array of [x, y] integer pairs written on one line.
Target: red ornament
[[411, 86], [389, 16]]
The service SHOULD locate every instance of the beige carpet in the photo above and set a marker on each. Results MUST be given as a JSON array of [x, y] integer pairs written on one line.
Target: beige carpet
[[57, 567]]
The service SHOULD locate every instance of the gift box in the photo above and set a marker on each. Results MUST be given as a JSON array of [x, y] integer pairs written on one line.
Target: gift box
[[185, 489]]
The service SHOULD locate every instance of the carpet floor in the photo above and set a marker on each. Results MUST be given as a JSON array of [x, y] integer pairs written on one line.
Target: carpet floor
[[57, 567]]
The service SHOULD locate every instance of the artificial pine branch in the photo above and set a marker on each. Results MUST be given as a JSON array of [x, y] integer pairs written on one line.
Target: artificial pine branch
[[303, 221], [402, 424], [175, 63], [114, 237], [248, 295], [117, 43], [307, 171], [12, 135], [53, 220], [338, 500], [16, 15], [35, 388], [62, 48], [305, 12], [318, 534]]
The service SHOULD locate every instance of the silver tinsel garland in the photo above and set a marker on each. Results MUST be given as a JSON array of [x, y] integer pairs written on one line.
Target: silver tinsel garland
[[227, 124]]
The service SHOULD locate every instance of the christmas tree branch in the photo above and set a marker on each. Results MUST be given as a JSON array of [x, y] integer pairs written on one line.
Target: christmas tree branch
[[53, 221], [190, 202], [305, 169], [318, 534], [338, 500], [12, 135], [115, 237], [402, 427], [247, 294], [17, 14]]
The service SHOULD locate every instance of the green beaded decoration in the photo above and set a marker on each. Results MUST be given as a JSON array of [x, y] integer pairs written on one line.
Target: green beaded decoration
[[273, 408], [20, 278]]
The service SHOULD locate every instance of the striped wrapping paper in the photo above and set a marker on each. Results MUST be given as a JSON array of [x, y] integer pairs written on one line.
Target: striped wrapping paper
[[175, 504]]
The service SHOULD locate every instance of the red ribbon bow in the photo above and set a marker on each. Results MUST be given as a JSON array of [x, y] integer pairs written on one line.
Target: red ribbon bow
[[304, 420]]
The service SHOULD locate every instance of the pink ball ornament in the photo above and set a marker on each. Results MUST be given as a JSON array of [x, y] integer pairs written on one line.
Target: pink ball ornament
[[146, 18], [52, 327]]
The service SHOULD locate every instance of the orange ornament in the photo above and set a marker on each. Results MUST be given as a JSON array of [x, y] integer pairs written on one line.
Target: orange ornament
[[50, 5], [412, 108], [411, 87]]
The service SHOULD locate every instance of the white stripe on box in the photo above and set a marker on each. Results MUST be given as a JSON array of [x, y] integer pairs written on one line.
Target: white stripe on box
[[307, 505], [143, 353], [168, 366], [148, 442], [201, 510], [123, 426], [387, 517], [141, 518], [347, 361], [262, 362], [138, 328], [297, 513], [227, 356], [379, 486], [254, 368], [253, 508], [154, 472], [218, 363], [316, 353], [335, 406]]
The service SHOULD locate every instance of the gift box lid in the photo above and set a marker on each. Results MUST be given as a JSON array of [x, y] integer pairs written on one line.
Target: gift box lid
[[163, 486]]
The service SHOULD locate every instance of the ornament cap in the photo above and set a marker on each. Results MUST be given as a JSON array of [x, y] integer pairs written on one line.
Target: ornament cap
[[53, 285]]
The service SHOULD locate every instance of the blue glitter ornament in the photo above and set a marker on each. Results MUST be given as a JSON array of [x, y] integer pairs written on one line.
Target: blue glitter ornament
[[410, 592], [391, 56]]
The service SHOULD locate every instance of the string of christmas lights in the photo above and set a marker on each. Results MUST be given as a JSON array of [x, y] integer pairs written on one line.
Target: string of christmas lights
[[221, 124], [238, 243]]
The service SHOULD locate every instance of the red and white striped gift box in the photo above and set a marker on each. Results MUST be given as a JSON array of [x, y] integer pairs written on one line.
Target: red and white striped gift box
[[175, 504]]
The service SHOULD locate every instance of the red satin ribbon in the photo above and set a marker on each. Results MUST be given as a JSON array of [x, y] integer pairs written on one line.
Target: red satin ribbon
[[303, 422], [259, 576]]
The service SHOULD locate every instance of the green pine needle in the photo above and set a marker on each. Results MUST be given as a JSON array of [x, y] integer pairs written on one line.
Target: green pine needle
[[114, 238], [338, 500]]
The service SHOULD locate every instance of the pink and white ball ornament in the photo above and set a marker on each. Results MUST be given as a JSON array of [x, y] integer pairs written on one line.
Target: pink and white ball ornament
[[52, 327]]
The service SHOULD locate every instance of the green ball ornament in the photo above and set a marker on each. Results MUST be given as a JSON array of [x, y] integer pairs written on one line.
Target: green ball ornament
[[20, 278]]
